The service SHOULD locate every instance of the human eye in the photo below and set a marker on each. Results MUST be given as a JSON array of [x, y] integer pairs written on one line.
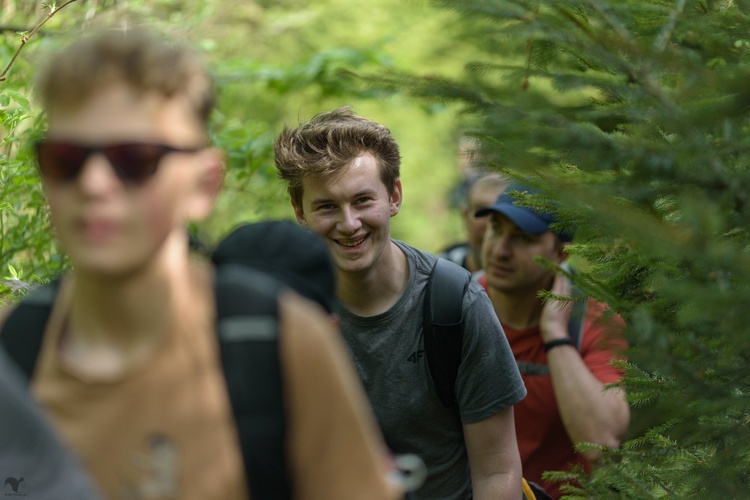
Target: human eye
[[525, 238], [322, 206]]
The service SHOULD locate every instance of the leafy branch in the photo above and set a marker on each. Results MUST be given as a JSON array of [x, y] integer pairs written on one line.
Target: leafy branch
[[25, 37]]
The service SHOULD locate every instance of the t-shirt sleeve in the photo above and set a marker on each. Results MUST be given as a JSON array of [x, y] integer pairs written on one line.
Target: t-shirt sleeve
[[602, 342], [488, 378], [337, 451], [30, 448]]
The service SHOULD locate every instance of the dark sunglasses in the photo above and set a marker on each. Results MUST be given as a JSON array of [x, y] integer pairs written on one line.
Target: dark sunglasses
[[62, 161]]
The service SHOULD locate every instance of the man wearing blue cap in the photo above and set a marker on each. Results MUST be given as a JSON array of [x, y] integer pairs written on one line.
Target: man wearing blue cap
[[566, 402]]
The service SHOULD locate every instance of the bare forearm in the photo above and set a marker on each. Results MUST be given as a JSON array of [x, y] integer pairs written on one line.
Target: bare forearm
[[496, 486], [494, 460], [588, 411]]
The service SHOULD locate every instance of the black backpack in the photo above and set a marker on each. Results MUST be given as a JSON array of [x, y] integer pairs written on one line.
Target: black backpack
[[247, 314]]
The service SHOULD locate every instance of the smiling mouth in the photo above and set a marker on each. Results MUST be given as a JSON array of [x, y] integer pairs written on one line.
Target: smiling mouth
[[96, 229], [351, 244], [500, 269]]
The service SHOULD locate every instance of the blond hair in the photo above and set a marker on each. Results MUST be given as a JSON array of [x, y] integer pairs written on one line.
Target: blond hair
[[137, 58]]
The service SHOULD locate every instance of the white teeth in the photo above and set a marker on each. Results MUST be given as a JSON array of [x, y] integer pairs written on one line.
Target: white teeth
[[353, 244]]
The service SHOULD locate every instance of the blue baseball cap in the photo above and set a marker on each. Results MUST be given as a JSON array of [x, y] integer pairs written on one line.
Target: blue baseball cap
[[525, 218]]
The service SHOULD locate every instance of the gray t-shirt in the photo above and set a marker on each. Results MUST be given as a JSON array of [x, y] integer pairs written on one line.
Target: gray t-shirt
[[388, 351]]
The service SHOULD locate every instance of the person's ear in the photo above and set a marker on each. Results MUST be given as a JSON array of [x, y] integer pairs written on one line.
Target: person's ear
[[207, 184], [562, 254], [396, 197], [465, 215], [299, 214]]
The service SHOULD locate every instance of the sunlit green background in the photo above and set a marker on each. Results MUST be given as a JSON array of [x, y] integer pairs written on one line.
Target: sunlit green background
[[279, 62], [632, 114]]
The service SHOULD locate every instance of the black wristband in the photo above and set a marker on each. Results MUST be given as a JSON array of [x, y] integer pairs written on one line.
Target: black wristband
[[554, 343]]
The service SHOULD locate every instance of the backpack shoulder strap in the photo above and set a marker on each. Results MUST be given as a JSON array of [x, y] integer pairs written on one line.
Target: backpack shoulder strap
[[443, 326], [23, 329], [575, 322], [578, 314], [247, 315]]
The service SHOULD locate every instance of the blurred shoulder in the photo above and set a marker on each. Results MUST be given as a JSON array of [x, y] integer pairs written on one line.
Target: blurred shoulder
[[302, 322], [604, 329]]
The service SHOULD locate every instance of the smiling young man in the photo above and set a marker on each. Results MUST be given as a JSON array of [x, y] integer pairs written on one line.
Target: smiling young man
[[566, 400], [129, 369], [343, 176]]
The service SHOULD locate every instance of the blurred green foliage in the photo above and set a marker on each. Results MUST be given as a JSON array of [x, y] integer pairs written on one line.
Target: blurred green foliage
[[275, 63], [643, 145], [632, 115]]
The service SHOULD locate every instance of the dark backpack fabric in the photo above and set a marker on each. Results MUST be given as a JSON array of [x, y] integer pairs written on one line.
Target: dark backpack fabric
[[247, 327], [443, 326], [23, 330]]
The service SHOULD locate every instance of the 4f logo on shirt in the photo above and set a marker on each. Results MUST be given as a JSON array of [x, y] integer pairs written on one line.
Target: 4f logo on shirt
[[415, 356]]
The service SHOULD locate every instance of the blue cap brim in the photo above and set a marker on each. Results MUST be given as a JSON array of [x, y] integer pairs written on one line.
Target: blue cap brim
[[526, 220]]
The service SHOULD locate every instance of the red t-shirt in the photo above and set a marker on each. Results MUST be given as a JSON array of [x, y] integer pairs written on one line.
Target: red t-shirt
[[542, 440]]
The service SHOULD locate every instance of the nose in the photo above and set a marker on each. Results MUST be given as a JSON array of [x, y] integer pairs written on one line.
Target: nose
[[499, 246], [349, 221], [97, 176]]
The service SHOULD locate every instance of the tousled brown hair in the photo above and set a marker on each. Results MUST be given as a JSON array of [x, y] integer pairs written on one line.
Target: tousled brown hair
[[327, 144], [137, 58]]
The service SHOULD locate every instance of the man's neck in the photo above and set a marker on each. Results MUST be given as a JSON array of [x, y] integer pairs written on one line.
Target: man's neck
[[116, 322], [473, 262], [375, 290], [519, 310]]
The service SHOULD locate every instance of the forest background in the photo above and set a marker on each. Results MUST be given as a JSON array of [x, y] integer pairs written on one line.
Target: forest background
[[631, 116], [276, 63]]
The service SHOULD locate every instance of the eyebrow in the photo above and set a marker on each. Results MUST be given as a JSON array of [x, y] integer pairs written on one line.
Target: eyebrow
[[498, 219], [319, 201]]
